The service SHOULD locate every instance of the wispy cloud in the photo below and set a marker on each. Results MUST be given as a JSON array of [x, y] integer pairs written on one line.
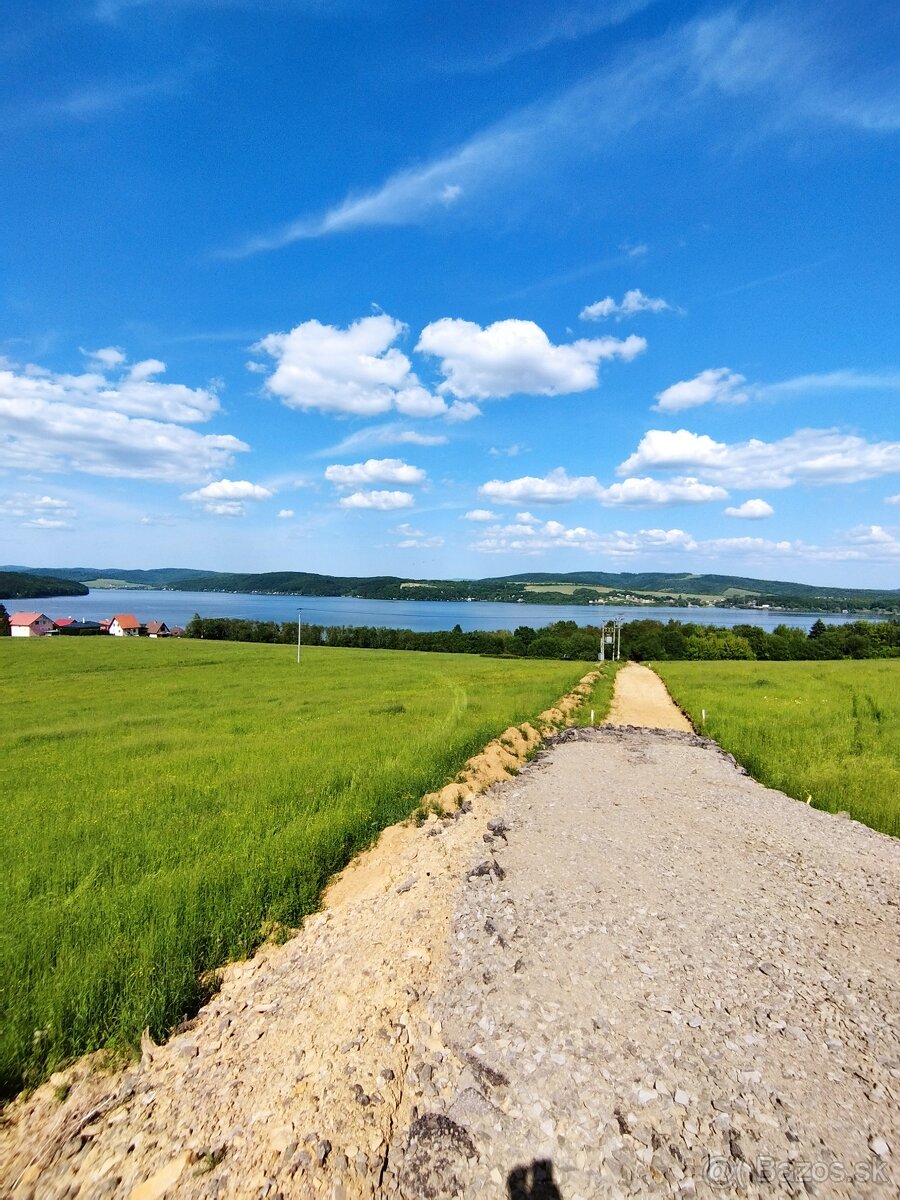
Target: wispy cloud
[[94, 100], [785, 66], [567, 23]]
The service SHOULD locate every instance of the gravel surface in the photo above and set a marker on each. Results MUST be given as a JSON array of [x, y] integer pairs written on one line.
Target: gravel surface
[[631, 970], [677, 982]]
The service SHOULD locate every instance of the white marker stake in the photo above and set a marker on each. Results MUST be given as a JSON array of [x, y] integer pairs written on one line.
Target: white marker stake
[[592, 716], [703, 715]]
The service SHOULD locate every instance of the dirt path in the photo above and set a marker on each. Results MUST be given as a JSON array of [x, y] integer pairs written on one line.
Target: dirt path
[[641, 699], [631, 970]]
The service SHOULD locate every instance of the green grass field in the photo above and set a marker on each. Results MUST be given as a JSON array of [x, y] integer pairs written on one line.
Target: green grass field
[[163, 803], [829, 730]]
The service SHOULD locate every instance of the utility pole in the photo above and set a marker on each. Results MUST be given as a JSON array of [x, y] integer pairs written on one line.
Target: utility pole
[[299, 631]]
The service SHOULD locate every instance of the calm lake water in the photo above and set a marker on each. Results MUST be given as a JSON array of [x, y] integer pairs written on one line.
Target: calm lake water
[[177, 608]]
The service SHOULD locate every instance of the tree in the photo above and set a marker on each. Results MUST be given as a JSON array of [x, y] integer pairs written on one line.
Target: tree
[[4, 622]]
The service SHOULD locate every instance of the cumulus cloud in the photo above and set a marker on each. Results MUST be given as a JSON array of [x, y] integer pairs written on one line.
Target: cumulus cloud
[[416, 539], [357, 370], [876, 540], [480, 514], [106, 356], [375, 470], [225, 498], [515, 356], [535, 537], [892, 499], [383, 501], [632, 303], [810, 456], [718, 385], [125, 427], [558, 487], [37, 512], [751, 510], [285, 514], [462, 410]]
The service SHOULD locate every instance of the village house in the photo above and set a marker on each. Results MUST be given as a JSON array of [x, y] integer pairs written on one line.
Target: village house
[[157, 629], [125, 625], [30, 624]]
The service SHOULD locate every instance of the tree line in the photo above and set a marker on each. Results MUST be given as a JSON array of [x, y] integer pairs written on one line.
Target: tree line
[[641, 640]]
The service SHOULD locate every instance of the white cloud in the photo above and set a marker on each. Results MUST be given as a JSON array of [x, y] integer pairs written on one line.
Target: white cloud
[[632, 303], [558, 487], [37, 512], [848, 379], [480, 514], [375, 470], [356, 371], [391, 433], [382, 501], [51, 422], [462, 410], [717, 385], [285, 514], [751, 510], [892, 499], [718, 60], [535, 537], [876, 540], [512, 451], [811, 456], [106, 356], [226, 497], [644, 492], [417, 539], [514, 356]]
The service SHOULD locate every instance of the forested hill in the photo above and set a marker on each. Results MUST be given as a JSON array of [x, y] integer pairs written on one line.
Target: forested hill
[[157, 577], [578, 587], [536, 587], [685, 583], [14, 585]]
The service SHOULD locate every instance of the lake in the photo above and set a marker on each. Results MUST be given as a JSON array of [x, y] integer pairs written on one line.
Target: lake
[[177, 608]]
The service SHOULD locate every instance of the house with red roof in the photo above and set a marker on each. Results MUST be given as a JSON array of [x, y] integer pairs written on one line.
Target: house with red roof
[[30, 624], [125, 625], [158, 629]]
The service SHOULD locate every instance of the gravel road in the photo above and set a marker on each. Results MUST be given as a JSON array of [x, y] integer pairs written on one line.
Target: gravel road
[[679, 983], [631, 970]]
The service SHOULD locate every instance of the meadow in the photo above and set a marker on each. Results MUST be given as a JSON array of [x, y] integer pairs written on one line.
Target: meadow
[[827, 731], [164, 805]]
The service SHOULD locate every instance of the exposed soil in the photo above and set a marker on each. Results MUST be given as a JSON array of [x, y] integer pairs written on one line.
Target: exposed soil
[[630, 970], [641, 698]]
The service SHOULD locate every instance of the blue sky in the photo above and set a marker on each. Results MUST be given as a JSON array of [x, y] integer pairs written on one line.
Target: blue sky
[[451, 289]]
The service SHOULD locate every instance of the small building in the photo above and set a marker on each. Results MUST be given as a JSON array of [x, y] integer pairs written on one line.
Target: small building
[[30, 624], [71, 627], [125, 625], [157, 629]]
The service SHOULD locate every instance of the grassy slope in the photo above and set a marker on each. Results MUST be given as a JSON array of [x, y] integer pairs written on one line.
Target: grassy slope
[[827, 730], [160, 801]]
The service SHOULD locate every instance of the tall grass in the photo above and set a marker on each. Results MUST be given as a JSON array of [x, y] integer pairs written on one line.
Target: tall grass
[[162, 802], [828, 731]]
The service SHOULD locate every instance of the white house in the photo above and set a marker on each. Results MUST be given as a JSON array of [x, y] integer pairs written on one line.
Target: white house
[[30, 624], [125, 625]]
